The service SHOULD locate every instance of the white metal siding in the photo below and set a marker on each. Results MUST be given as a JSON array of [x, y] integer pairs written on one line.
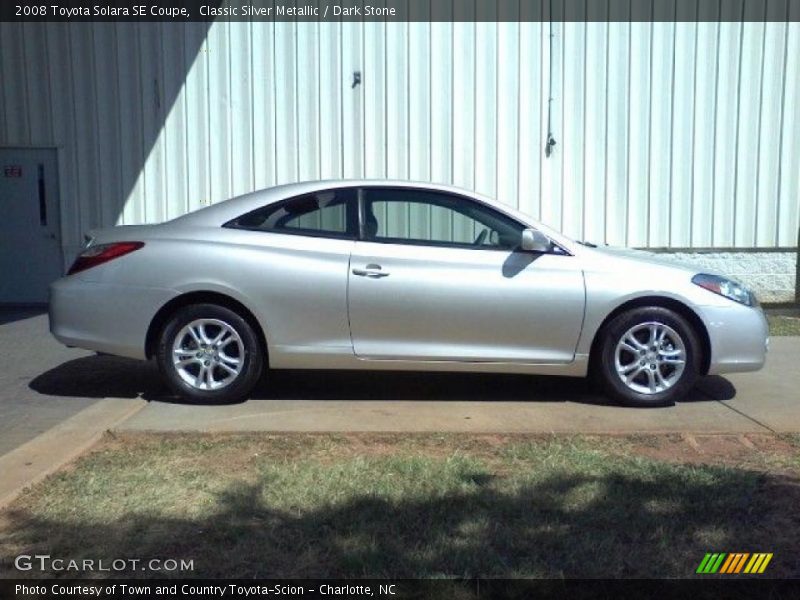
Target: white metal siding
[[668, 134]]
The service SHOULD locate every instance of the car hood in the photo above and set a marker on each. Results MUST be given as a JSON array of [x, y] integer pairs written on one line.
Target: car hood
[[614, 256]]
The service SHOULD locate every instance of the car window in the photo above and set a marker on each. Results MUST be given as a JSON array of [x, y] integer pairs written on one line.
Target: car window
[[323, 213], [430, 218]]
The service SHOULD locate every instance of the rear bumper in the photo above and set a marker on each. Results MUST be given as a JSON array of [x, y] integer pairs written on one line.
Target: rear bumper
[[739, 337], [104, 317]]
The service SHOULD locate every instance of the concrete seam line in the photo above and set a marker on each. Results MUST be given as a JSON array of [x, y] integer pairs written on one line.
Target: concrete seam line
[[16, 459], [746, 416]]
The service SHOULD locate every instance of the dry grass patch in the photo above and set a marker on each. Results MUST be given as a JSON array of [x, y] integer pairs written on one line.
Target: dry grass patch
[[419, 505]]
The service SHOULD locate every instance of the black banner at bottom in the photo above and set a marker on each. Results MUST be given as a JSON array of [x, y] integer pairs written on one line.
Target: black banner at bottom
[[400, 589]]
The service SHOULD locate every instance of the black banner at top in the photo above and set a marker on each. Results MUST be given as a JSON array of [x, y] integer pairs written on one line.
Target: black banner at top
[[400, 10]]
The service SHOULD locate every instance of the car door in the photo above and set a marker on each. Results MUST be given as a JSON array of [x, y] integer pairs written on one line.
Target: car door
[[436, 276], [292, 259]]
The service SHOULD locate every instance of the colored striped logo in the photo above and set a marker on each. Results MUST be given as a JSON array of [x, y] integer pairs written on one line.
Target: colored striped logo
[[734, 563]]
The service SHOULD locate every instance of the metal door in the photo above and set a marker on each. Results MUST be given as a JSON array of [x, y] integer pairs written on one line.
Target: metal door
[[30, 248]]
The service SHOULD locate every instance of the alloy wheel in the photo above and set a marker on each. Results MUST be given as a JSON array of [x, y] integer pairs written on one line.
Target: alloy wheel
[[650, 357], [208, 354]]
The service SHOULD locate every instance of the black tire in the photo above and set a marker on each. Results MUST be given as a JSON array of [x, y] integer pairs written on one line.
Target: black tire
[[242, 354], [647, 364]]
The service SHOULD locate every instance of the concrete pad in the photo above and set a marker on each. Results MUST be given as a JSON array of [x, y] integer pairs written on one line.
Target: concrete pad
[[44, 454], [28, 350], [413, 416], [371, 401], [772, 396]]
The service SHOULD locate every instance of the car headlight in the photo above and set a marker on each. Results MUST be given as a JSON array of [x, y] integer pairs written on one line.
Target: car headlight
[[726, 287]]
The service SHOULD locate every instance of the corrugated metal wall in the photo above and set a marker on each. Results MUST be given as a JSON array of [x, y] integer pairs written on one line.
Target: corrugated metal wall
[[668, 134]]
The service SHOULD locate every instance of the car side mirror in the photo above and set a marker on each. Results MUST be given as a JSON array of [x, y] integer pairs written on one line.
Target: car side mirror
[[534, 241]]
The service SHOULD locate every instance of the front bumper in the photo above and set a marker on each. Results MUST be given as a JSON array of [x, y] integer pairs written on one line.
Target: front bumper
[[739, 337]]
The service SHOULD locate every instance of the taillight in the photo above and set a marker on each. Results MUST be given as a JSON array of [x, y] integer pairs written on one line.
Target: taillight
[[102, 253]]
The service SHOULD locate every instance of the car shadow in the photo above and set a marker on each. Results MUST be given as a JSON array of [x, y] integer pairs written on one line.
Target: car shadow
[[713, 387], [101, 376], [10, 314], [115, 377]]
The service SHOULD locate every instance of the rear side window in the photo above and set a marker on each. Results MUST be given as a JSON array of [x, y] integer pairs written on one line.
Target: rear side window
[[329, 213]]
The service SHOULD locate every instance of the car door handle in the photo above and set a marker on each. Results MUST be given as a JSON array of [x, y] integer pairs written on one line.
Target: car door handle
[[371, 270]]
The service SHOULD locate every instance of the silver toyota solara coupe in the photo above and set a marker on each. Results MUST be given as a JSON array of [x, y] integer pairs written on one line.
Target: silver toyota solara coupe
[[396, 275]]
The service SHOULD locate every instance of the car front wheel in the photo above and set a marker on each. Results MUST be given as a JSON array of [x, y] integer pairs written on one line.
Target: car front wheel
[[208, 353], [650, 356]]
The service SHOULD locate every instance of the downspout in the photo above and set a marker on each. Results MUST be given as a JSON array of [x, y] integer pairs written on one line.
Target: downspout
[[550, 140]]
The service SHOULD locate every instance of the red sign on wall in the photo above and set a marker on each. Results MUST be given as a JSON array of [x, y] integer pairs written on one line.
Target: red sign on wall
[[12, 171]]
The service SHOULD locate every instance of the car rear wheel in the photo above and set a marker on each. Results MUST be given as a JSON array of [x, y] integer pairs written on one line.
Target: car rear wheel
[[208, 353], [649, 356]]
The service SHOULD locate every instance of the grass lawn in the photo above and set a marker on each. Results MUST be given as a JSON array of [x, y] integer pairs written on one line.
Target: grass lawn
[[783, 325], [427, 505]]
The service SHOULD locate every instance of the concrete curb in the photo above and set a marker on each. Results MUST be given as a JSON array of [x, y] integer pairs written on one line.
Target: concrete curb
[[46, 453]]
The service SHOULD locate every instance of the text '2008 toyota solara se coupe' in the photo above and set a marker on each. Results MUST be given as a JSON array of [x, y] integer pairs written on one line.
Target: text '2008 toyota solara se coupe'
[[396, 275]]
